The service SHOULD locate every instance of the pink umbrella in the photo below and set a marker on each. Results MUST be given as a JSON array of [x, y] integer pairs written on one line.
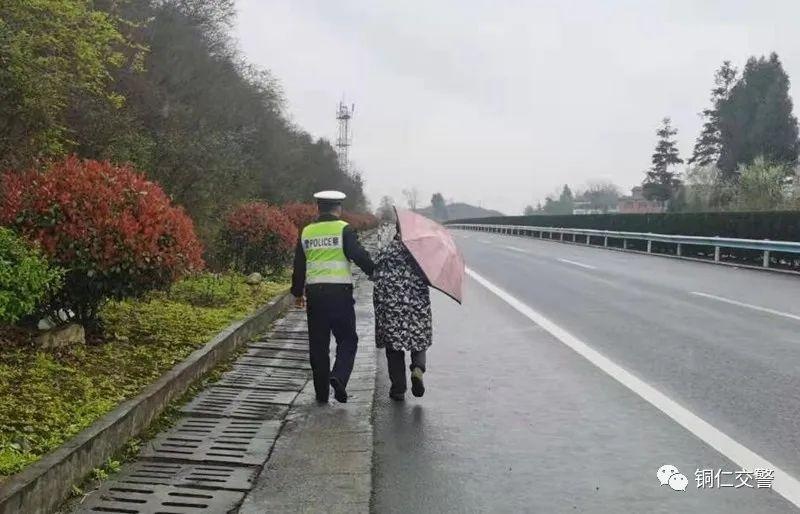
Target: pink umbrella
[[435, 251]]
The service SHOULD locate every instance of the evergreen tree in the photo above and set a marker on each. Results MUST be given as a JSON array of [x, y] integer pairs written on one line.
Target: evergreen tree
[[708, 147], [756, 119], [439, 207], [566, 199], [661, 182]]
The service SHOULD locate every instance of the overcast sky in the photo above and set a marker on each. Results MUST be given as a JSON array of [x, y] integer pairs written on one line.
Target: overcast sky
[[500, 102]]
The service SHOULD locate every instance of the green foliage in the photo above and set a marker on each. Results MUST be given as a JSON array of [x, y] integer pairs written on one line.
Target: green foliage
[[26, 278], [439, 207], [707, 190], [661, 182], [756, 117], [708, 147], [206, 290], [564, 205], [196, 117], [51, 51], [206, 125], [761, 185], [601, 195], [48, 398]]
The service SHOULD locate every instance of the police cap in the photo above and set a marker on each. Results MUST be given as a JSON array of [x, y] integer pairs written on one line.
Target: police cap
[[330, 197]]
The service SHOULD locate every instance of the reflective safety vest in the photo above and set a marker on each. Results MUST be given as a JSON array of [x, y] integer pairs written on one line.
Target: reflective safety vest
[[323, 244]]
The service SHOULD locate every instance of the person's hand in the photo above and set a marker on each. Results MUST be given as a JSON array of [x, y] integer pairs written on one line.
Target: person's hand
[[300, 302]]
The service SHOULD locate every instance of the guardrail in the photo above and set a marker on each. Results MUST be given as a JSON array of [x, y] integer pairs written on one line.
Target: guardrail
[[765, 246]]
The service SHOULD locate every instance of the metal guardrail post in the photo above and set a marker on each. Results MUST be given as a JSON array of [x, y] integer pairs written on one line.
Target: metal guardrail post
[[649, 246], [679, 250], [765, 262], [624, 244], [716, 254], [605, 241]]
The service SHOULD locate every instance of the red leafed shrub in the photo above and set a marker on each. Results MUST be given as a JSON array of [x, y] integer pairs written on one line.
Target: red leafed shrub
[[301, 214], [116, 233], [360, 221], [258, 237]]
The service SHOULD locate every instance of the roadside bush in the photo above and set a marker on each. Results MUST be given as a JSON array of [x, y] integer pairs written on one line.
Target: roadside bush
[[301, 214], [26, 278], [117, 234], [761, 185], [360, 221], [257, 237]]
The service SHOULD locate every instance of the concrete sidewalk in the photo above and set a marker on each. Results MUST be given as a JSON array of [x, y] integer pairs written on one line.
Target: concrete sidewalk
[[257, 440], [322, 460]]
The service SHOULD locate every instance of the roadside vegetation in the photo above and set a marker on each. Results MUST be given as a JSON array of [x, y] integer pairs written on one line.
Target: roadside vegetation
[[49, 396], [151, 192]]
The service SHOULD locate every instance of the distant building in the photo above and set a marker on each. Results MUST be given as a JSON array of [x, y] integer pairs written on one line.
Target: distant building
[[636, 203]]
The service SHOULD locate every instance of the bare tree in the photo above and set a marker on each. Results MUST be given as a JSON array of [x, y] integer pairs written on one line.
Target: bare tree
[[385, 210], [412, 197]]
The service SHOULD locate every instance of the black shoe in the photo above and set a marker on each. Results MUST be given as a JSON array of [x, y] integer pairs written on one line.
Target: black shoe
[[322, 400], [339, 391], [398, 397], [417, 387]]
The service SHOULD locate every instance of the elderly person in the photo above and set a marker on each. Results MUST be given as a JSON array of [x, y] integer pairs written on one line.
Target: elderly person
[[402, 316]]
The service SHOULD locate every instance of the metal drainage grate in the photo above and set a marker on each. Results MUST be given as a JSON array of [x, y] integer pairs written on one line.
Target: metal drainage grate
[[188, 475], [281, 344], [253, 377], [270, 353], [294, 335], [240, 403], [275, 363], [223, 441], [292, 322], [135, 499]]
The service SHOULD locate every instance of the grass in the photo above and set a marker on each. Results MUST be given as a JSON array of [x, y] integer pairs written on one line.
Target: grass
[[48, 397]]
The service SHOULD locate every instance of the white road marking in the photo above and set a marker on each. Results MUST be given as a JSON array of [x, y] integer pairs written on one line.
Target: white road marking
[[785, 484], [515, 249], [484, 241], [575, 263], [747, 305]]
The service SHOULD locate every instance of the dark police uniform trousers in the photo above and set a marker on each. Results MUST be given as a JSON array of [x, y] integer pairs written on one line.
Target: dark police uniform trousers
[[330, 309]]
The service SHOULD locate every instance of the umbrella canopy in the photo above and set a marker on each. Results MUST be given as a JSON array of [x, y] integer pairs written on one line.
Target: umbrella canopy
[[435, 251]]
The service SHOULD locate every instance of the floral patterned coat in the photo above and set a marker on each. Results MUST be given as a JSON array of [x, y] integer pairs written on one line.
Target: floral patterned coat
[[402, 301]]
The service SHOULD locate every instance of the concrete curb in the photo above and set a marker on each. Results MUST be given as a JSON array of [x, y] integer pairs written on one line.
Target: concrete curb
[[41, 487]]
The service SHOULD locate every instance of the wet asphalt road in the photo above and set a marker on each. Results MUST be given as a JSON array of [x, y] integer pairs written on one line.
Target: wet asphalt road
[[515, 421]]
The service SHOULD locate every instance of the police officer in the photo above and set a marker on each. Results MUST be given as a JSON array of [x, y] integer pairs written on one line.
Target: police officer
[[322, 268]]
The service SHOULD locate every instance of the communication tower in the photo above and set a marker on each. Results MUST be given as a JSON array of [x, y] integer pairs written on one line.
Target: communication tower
[[344, 140]]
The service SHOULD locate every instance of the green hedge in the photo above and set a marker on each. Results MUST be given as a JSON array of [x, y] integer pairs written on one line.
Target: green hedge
[[777, 225]]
